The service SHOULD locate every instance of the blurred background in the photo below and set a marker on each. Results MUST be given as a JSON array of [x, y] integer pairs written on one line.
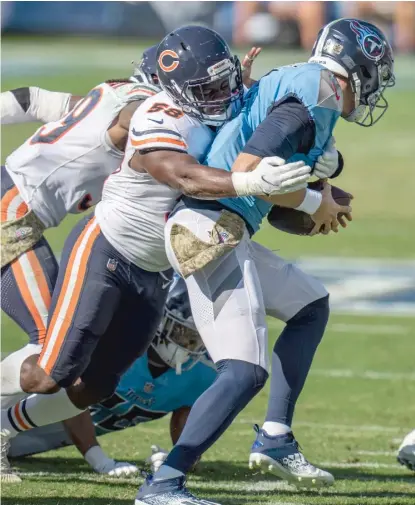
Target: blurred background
[[364, 371]]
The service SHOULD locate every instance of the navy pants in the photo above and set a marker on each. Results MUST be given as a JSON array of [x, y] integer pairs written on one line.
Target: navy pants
[[104, 312]]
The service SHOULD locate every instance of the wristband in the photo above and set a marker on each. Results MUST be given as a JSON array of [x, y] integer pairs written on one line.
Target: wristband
[[311, 202], [241, 183]]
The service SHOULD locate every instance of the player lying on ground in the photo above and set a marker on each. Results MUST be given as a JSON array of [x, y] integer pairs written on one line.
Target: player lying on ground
[[233, 282], [114, 269], [169, 378]]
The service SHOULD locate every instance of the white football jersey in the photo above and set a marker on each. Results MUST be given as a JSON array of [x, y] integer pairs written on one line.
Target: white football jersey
[[61, 169], [134, 206]]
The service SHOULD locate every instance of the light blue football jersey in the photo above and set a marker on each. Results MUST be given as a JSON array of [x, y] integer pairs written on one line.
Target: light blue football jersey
[[314, 86], [140, 398]]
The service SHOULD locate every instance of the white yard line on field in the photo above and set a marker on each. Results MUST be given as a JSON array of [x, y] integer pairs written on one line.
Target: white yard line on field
[[368, 374], [361, 464], [345, 428], [370, 329], [376, 453]]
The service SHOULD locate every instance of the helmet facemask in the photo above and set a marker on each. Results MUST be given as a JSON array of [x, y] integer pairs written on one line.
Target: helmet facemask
[[198, 97], [178, 343], [370, 109]]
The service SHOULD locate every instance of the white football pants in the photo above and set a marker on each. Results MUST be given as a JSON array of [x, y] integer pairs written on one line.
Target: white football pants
[[232, 295]]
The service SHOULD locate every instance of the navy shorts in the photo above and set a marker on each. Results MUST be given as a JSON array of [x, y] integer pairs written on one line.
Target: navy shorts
[[104, 312], [27, 282]]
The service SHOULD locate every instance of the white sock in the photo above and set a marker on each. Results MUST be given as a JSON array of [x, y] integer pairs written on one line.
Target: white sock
[[38, 410], [273, 429], [11, 392], [167, 472]]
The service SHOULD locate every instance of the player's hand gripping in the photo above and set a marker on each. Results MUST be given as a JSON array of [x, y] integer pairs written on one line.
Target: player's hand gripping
[[327, 163], [326, 217], [157, 458], [272, 176]]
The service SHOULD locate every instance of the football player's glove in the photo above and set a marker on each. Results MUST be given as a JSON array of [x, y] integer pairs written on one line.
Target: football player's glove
[[272, 176], [328, 162], [157, 458], [101, 463]]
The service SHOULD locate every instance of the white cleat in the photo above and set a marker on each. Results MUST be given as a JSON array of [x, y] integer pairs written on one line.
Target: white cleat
[[300, 473], [281, 456], [406, 452], [7, 475]]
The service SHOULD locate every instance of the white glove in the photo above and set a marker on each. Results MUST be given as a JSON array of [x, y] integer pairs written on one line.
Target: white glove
[[157, 458], [272, 176], [328, 162], [101, 463]]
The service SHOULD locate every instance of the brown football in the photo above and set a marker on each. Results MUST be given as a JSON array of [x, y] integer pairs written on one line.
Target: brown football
[[297, 222]]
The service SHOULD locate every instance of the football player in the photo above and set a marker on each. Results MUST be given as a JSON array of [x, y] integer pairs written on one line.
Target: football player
[[114, 269], [169, 378], [233, 282]]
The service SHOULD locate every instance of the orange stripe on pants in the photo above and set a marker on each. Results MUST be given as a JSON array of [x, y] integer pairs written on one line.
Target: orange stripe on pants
[[6, 201], [74, 298], [26, 294]]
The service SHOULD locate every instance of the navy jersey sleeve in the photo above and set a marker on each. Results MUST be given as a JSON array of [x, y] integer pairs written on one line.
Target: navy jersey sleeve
[[288, 129]]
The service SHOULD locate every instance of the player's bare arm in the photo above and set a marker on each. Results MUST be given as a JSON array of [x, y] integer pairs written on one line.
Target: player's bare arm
[[81, 431], [182, 171], [119, 131]]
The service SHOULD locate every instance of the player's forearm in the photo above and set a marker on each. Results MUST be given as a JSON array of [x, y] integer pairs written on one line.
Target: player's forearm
[[290, 200], [206, 183], [30, 104], [81, 430]]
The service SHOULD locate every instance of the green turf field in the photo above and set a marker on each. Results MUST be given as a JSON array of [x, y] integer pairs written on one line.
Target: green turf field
[[359, 400]]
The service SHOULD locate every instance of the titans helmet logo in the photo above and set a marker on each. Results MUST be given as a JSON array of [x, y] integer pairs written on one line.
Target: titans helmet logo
[[369, 41]]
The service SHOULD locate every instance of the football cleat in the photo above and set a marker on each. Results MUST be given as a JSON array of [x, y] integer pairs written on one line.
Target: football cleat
[[167, 492], [406, 452], [281, 456], [7, 475]]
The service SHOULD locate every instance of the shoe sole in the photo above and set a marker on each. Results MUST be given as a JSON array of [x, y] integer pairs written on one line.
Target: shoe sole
[[267, 464]]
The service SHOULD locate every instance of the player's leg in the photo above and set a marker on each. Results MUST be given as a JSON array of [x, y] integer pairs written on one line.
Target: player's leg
[[302, 303], [87, 295], [127, 338], [229, 313], [27, 284]]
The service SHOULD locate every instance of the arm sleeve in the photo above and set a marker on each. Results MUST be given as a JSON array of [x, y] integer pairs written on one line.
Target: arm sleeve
[[25, 105], [288, 129]]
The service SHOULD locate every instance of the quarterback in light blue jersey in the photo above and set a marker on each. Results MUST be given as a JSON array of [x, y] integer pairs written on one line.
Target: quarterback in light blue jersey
[[168, 379], [234, 283]]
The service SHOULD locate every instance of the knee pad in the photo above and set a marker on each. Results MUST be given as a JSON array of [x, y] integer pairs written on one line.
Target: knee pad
[[242, 375]]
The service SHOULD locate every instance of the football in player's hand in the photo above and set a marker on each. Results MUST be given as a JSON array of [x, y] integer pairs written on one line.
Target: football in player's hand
[[298, 222]]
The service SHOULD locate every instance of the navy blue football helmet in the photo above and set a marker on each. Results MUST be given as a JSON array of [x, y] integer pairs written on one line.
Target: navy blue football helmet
[[197, 70], [177, 341], [359, 52], [145, 71]]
